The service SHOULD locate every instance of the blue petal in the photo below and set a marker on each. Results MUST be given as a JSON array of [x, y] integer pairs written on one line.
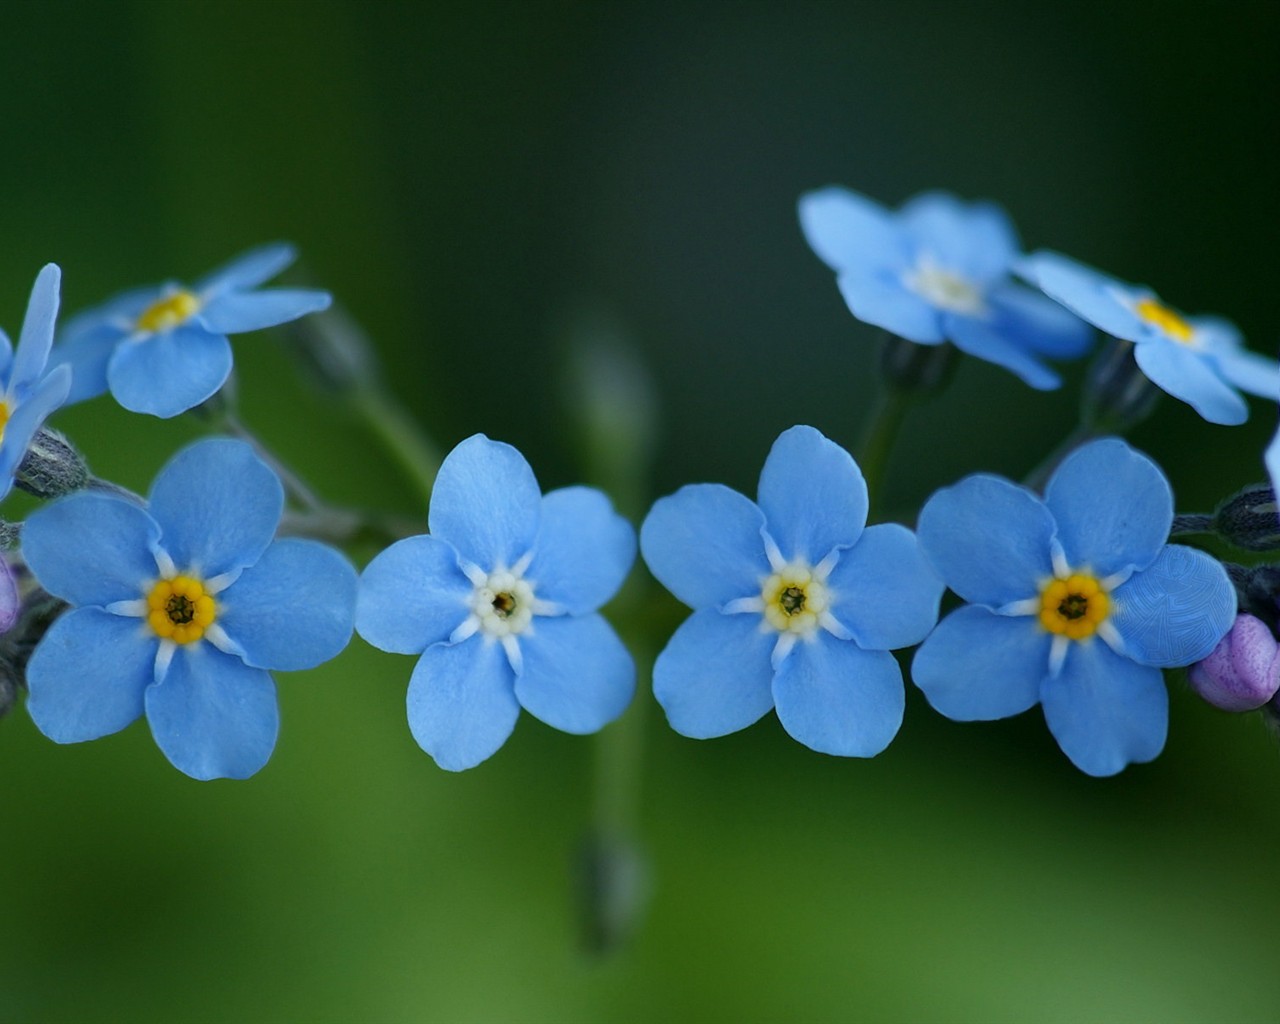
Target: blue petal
[[293, 608], [988, 538], [886, 594], [1187, 376], [812, 494], [703, 544], [412, 595], [848, 230], [218, 506], [1271, 457], [91, 549], [461, 702], [1175, 612], [6, 355], [885, 301], [977, 665], [248, 270], [486, 503], [88, 674], [47, 396], [714, 677], [976, 241], [1113, 506], [836, 698], [1248, 371], [165, 374], [237, 312], [213, 716], [584, 550], [1104, 710], [36, 338], [1037, 323], [1084, 291], [87, 340], [577, 675], [983, 340]]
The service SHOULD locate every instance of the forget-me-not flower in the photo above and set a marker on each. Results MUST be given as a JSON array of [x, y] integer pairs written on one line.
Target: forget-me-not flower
[[500, 601], [1200, 360], [180, 608], [164, 350], [1076, 602], [938, 270], [796, 602], [30, 392]]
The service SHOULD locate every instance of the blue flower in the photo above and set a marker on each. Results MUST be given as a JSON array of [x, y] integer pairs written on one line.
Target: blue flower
[[180, 608], [29, 393], [500, 600], [165, 350], [1076, 602], [938, 270], [1199, 360], [796, 602]]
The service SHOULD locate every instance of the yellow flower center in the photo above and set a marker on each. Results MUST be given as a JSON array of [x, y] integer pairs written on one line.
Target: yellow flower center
[[1161, 316], [5, 413], [1074, 607], [168, 312], [180, 610], [793, 599]]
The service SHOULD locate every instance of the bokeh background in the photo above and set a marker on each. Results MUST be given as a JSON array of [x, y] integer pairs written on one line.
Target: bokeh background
[[475, 183]]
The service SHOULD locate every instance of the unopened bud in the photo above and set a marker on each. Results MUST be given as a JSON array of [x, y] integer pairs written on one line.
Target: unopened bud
[[1243, 671], [1117, 394], [334, 351], [52, 467], [920, 370], [1250, 519]]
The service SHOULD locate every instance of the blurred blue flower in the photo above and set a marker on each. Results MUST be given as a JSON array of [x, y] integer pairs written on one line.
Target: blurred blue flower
[[165, 350], [796, 604], [180, 608], [30, 393], [1199, 360], [500, 600], [938, 270], [1076, 602]]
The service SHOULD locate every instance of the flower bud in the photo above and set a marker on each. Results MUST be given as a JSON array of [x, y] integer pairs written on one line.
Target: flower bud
[[1117, 394], [920, 370], [1249, 520], [51, 466], [1243, 671]]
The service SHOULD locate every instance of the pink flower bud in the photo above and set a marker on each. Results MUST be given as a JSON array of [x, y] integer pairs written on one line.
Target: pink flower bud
[[1243, 671]]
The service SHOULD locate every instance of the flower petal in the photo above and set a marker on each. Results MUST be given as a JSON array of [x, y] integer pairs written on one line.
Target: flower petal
[[886, 593], [714, 677], [461, 702], [975, 240], [1037, 323], [36, 338], [836, 698], [165, 374], [91, 549], [1248, 371], [214, 716], [988, 538], [1104, 710], [293, 608], [977, 665], [248, 270], [237, 312], [1187, 375], [486, 503], [412, 595], [1175, 611], [88, 674], [812, 494], [86, 341], [703, 544], [218, 506], [1113, 507], [983, 340], [27, 418], [883, 300], [577, 675], [1085, 291], [848, 230], [584, 550]]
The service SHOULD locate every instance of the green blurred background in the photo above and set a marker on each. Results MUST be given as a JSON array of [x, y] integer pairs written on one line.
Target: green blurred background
[[471, 181]]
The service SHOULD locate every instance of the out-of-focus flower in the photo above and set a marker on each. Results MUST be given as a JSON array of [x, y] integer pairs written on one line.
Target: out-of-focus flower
[[1076, 603], [1199, 360], [1243, 672], [500, 601], [180, 608], [796, 602], [163, 350], [939, 270]]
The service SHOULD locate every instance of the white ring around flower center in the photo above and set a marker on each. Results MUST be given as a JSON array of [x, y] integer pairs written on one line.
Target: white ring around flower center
[[944, 288], [795, 598], [503, 604]]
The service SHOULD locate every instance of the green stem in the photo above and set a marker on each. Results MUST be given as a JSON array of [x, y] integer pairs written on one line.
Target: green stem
[[401, 435], [879, 436]]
